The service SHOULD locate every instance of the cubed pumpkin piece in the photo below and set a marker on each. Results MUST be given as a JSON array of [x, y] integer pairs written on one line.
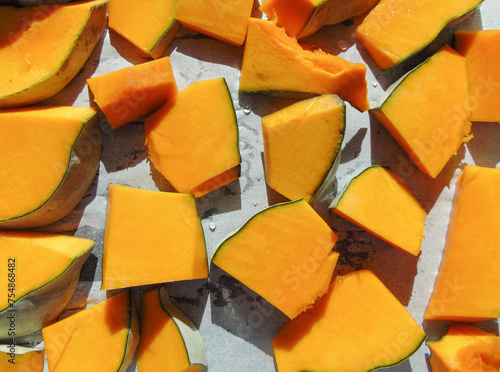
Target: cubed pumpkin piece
[[101, 338], [468, 284], [193, 139], [302, 146], [273, 61], [378, 201], [169, 342], [427, 111], [149, 26], [126, 95], [166, 228], [357, 326], [395, 30], [15, 358], [226, 20], [481, 50], [283, 253]]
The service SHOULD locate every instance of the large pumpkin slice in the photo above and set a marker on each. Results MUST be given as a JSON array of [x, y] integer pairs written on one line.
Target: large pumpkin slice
[[101, 338], [395, 30], [468, 284], [169, 342], [427, 111], [38, 60], [38, 279], [150, 27], [48, 159], [283, 253], [378, 201], [481, 50], [273, 61], [15, 358], [357, 326], [302, 144], [193, 139], [168, 230]]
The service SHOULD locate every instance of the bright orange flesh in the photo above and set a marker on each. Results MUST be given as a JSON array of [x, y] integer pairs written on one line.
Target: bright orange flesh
[[151, 237], [481, 50], [27, 362], [357, 326], [293, 240], [428, 111], [468, 284]]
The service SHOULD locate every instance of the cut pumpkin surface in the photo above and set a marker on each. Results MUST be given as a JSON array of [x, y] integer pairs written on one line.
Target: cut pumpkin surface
[[427, 111], [38, 60], [168, 230], [193, 138], [273, 61], [395, 30], [24, 360], [357, 326], [292, 239], [467, 288], [169, 342], [301, 145], [126, 95], [378, 201], [46, 269], [149, 27], [102, 338], [48, 159]]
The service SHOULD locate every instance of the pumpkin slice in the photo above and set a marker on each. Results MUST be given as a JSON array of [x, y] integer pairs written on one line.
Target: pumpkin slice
[[294, 243], [481, 50], [226, 20], [168, 230], [378, 201], [465, 348], [357, 326], [127, 94], [170, 342], [395, 30], [301, 18], [48, 159], [193, 139], [38, 60], [101, 338], [427, 111], [14, 358], [38, 279], [468, 284], [149, 27], [273, 61], [302, 144]]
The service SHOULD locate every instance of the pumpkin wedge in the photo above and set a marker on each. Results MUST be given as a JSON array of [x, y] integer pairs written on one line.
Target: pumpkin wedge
[[465, 348], [293, 240], [467, 288], [396, 30], [302, 146], [301, 18], [357, 326], [169, 342], [101, 338], [38, 60], [48, 159], [427, 110], [273, 61], [126, 95], [150, 28], [378, 201], [193, 138], [481, 50], [38, 279], [226, 20], [168, 230], [16, 358]]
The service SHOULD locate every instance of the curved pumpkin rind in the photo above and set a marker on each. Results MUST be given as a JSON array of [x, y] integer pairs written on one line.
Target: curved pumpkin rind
[[133, 337]]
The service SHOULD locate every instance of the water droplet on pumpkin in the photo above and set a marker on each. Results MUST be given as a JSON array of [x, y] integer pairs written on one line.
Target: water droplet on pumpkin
[[212, 226], [342, 45]]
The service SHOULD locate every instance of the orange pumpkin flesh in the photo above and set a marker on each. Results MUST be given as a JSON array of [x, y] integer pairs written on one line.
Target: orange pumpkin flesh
[[25, 360], [468, 284], [273, 61]]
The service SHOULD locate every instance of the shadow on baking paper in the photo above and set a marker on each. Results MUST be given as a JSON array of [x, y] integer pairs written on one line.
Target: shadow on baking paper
[[484, 146]]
